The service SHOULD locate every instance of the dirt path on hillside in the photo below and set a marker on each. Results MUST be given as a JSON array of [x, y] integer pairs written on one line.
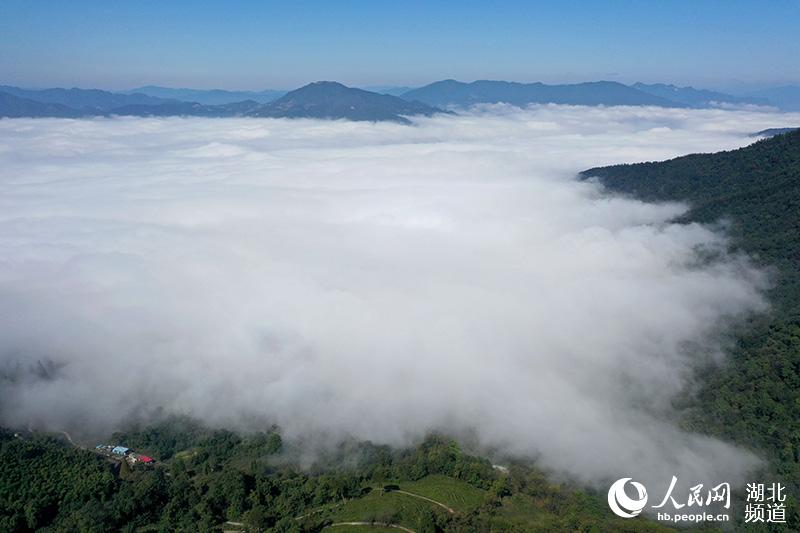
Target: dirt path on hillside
[[440, 504], [379, 524], [69, 439]]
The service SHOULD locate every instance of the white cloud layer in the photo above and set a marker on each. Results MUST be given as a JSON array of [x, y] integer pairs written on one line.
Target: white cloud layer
[[369, 280]]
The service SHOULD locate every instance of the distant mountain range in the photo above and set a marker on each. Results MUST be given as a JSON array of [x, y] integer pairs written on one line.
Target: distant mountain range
[[325, 99], [84, 100], [456, 93], [187, 109], [221, 96], [15, 107], [786, 97], [335, 101], [699, 98], [208, 97]]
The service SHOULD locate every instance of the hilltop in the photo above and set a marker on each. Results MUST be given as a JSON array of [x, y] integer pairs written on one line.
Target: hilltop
[[328, 99]]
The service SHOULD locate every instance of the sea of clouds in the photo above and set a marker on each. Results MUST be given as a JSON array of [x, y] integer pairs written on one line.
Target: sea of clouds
[[371, 281]]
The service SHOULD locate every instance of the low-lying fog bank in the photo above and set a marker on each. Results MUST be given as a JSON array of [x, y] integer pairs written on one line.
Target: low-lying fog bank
[[374, 281]]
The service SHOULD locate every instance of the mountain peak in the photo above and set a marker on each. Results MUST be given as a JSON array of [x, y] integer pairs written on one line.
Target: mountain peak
[[325, 83], [317, 89], [330, 99]]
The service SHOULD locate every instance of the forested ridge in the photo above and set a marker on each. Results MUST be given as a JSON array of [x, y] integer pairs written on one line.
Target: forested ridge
[[754, 399], [756, 189]]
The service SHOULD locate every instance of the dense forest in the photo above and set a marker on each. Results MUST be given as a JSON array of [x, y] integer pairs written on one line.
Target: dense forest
[[216, 480], [754, 399]]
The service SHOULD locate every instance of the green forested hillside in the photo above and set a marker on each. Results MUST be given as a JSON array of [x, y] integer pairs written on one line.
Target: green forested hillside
[[755, 398], [208, 480], [756, 188]]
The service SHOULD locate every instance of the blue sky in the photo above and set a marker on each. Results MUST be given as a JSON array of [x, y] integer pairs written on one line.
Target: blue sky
[[264, 44]]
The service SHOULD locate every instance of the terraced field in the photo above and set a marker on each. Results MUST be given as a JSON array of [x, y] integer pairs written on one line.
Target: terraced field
[[390, 507], [453, 493], [413, 506]]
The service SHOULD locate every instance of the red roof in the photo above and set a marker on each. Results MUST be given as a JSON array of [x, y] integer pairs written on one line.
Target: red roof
[[145, 459]]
